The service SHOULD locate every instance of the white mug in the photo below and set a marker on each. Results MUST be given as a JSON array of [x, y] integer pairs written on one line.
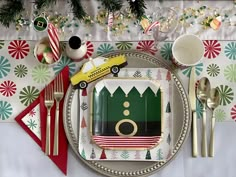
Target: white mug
[[76, 49], [187, 50]]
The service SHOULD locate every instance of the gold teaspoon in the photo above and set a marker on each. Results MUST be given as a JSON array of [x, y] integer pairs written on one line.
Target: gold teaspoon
[[212, 102]]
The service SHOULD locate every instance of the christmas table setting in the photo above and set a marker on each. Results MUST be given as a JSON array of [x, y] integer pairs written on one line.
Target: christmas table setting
[[38, 53]]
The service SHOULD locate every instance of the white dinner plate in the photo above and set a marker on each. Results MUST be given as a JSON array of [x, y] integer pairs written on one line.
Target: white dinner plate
[[181, 122]]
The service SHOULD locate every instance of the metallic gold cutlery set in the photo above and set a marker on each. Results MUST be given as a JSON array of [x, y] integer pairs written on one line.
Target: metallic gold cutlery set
[[208, 98], [55, 92]]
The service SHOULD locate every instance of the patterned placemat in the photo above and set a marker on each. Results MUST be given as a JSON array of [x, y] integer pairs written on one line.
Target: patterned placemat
[[17, 64]]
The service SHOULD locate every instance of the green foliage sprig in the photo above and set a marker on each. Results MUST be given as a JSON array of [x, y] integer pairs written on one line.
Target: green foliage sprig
[[9, 11], [137, 7], [44, 3], [77, 9], [112, 5]]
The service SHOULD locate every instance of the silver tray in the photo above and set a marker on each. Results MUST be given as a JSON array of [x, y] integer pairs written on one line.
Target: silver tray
[[181, 122]]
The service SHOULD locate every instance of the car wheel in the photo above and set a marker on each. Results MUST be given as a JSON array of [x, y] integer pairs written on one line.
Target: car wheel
[[115, 69], [83, 84]]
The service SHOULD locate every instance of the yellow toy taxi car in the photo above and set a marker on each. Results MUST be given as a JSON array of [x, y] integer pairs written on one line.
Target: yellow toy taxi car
[[97, 68]]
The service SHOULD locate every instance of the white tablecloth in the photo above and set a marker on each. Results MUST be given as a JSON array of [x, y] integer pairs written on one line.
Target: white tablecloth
[[22, 157]]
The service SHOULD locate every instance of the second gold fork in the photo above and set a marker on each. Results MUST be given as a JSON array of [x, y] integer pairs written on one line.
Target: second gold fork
[[58, 95]]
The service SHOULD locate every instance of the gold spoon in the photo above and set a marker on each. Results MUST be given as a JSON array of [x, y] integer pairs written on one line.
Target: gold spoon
[[212, 102], [202, 94]]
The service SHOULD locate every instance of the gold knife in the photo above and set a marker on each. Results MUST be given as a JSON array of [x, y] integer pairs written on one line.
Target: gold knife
[[192, 98]]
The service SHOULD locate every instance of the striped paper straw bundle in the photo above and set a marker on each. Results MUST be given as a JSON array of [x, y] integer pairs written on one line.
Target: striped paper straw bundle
[[153, 25], [54, 41], [110, 19]]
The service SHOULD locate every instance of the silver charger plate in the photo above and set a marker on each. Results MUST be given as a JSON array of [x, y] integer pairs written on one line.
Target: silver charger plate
[[181, 121]]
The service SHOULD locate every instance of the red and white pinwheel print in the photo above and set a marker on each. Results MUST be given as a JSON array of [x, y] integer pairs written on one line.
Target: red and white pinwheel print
[[8, 88], [90, 49], [233, 112], [18, 49], [212, 48], [147, 46]]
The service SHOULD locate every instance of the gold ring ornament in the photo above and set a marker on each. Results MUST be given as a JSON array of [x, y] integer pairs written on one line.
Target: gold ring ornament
[[135, 127]]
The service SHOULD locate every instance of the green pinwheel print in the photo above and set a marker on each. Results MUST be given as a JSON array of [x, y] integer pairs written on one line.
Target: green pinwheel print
[[220, 115], [5, 110], [198, 70], [31, 124], [104, 48], [230, 72], [1, 44], [226, 94], [41, 73], [124, 45], [199, 109], [166, 51], [20, 71], [4, 66], [65, 61], [28, 95], [230, 50], [213, 70]]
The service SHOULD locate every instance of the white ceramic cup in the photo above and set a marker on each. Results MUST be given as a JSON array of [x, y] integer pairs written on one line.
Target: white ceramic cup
[[187, 50]]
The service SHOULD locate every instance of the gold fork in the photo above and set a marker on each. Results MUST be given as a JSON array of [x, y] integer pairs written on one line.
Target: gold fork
[[58, 95], [48, 101]]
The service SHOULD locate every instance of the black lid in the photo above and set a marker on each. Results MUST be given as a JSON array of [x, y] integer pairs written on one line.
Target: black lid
[[75, 42]]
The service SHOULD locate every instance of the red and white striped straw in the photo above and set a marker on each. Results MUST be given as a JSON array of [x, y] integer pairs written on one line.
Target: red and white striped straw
[[110, 19], [154, 24], [54, 41]]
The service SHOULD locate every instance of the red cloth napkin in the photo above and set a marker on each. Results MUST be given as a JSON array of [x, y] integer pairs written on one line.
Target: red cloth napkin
[[61, 159]]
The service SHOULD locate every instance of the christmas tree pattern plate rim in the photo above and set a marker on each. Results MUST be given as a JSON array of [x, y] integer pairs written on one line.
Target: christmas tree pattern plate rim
[[182, 122], [114, 138]]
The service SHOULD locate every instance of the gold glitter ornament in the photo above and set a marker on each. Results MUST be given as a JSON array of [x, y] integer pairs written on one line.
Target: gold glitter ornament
[[48, 17], [87, 20], [115, 29], [120, 18], [58, 20], [117, 14], [128, 15], [101, 17], [18, 27]]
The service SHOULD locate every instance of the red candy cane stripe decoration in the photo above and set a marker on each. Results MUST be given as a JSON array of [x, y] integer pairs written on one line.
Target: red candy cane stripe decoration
[[54, 41], [153, 25], [110, 19]]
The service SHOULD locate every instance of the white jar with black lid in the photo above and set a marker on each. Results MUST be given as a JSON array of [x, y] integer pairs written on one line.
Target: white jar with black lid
[[75, 49]]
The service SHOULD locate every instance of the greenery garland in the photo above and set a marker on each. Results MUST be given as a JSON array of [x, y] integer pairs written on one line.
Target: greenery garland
[[44, 3], [137, 7], [13, 8], [112, 5], [9, 11], [77, 9]]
